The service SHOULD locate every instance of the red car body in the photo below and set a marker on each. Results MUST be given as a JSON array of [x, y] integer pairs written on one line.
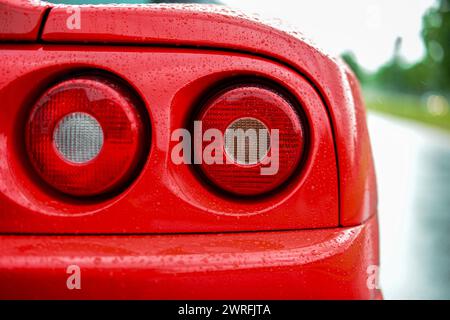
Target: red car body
[[168, 235]]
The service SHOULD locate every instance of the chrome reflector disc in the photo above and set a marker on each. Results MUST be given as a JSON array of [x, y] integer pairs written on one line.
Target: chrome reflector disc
[[247, 141], [78, 137]]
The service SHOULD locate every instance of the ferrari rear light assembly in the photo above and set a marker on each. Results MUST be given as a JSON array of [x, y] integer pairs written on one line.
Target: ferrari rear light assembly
[[84, 136], [263, 138]]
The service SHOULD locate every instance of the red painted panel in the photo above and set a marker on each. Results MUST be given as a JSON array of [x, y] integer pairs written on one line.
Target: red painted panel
[[360, 196], [21, 19], [165, 197], [306, 264], [221, 27]]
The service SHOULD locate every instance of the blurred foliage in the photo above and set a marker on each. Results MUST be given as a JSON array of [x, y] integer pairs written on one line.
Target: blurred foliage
[[429, 109], [421, 91], [436, 36], [350, 59], [432, 73]]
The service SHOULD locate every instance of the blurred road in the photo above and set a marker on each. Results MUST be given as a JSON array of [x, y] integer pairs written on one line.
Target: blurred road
[[413, 171]]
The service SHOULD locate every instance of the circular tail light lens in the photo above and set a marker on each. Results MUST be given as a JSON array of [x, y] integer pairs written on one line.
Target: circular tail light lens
[[263, 139], [85, 136]]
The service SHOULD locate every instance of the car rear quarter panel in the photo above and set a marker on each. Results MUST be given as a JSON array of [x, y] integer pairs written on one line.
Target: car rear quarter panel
[[165, 197], [222, 27]]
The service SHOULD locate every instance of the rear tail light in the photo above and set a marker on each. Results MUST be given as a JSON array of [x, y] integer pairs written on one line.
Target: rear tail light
[[268, 148], [85, 136]]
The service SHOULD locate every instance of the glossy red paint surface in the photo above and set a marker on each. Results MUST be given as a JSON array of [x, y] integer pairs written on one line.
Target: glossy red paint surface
[[165, 197], [306, 264], [172, 57], [20, 20], [221, 27]]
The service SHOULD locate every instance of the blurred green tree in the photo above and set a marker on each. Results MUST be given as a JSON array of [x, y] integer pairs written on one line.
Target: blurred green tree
[[432, 73], [436, 37], [350, 59], [393, 73]]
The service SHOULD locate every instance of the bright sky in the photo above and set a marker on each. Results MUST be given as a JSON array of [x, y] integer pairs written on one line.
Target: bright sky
[[366, 27]]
